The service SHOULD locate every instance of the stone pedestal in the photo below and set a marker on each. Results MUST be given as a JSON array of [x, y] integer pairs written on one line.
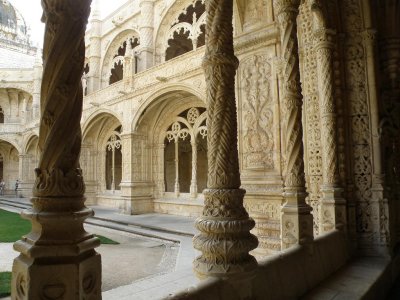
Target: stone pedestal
[[57, 259]]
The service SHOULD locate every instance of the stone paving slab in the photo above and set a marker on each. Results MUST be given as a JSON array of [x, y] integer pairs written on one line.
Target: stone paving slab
[[160, 222], [176, 224]]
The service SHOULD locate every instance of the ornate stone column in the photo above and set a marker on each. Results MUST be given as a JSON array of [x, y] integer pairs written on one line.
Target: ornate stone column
[[193, 183], [146, 30], [297, 221], [177, 192], [333, 205], [57, 258], [112, 144], [93, 80], [385, 124], [224, 239], [129, 66], [161, 175]]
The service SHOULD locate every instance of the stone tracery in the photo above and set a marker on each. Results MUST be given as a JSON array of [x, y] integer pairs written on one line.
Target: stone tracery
[[188, 31], [113, 62], [189, 126]]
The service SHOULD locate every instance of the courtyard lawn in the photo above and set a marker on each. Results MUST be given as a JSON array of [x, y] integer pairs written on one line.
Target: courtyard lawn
[[12, 227], [5, 284]]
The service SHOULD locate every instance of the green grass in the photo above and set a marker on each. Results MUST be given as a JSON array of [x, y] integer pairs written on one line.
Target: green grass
[[5, 284], [105, 240], [13, 227]]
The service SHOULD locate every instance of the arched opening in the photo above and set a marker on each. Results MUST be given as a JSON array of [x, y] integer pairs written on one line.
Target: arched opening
[[169, 166], [184, 153], [202, 161], [113, 166], [1, 115], [1, 167], [188, 32], [178, 45], [9, 165], [117, 67], [86, 70], [117, 72], [100, 148]]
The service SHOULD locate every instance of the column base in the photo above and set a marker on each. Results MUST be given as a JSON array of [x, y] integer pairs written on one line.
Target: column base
[[296, 219], [225, 239], [57, 277], [57, 258], [333, 209]]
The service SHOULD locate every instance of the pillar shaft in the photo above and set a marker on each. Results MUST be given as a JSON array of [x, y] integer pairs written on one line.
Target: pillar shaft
[[93, 80], [57, 258], [295, 211], [333, 210], [193, 183], [146, 30], [37, 81], [177, 188], [389, 122], [224, 239]]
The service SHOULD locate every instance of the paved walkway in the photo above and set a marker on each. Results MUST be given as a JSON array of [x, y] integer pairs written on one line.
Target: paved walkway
[[166, 232], [159, 222]]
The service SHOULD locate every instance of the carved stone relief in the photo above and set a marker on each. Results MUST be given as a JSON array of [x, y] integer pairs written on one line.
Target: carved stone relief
[[354, 57], [255, 12], [256, 112], [313, 145]]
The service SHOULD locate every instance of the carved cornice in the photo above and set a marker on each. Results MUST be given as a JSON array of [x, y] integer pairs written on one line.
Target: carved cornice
[[246, 41]]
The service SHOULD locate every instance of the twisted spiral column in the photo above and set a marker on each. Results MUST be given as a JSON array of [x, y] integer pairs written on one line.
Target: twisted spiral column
[[224, 239], [57, 258], [333, 206], [297, 227]]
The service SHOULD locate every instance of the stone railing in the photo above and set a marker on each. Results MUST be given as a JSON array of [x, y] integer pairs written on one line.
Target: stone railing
[[174, 68]]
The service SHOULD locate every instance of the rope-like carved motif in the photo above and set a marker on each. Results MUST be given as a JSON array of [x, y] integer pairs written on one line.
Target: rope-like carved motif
[[58, 173], [327, 106], [225, 240], [220, 66], [287, 12]]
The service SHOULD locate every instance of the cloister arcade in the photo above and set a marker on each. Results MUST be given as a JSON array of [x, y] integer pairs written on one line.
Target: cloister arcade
[[279, 131]]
